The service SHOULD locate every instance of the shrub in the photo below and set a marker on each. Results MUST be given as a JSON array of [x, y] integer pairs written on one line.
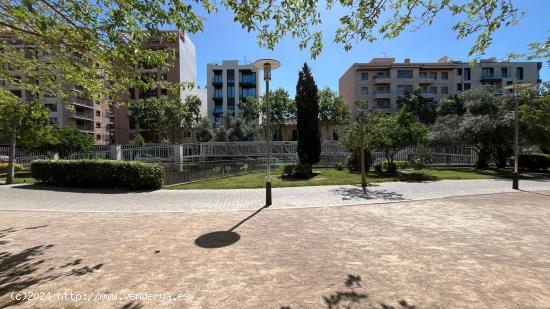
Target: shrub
[[4, 167], [391, 168], [417, 163], [302, 170], [99, 174], [534, 162], [354, 161], [400, 164], [339, 166], [287, 170], [378, 168]]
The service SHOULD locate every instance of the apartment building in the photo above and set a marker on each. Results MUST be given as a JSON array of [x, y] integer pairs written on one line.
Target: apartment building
[[92, 117], [227, 83], [182, 68], [379, 83]]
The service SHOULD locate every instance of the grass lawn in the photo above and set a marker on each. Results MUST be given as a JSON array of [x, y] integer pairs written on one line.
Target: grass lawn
[[330, 176], [20, 177]]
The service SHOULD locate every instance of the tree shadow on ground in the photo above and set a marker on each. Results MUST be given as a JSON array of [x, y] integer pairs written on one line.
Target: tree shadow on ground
[[370, 194], [219, 239], [24, 269], [46, 187], [355, 297]]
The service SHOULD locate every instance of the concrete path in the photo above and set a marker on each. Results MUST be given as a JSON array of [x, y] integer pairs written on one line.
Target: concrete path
[[26, 197]]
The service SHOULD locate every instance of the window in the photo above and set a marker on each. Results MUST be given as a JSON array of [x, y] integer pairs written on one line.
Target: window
[[487, 72], [98, 113], [98, 137], [519, 73], [404, 89], [459, 87], [444, 90], [433, 89], [16, 93], [467, 74], [218, 92], [423, 74], [433, 75], [132, 93], [467, 86], [164, 91], [98, 125], [508, 83], [364, 90], [294, 134], [164, 76], [459, 72], [364, 75], [231, 91], [231, 76], [53, 120], [404, 73], [52, 107], [383, 103], [504, 72], [444, 75]]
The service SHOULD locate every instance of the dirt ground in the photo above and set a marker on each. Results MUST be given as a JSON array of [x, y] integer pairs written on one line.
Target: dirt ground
[[486, 251]]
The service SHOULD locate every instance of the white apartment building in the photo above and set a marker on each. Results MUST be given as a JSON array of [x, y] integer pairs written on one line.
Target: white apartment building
[[227, 83]]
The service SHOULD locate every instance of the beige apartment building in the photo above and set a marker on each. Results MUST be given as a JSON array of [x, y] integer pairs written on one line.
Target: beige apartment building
[[227, 83], [378, 84], [92, 117]]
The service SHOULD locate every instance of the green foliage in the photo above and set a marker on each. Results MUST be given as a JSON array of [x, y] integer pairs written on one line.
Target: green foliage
[[307, 104], [332, 109], [283, 109], [399, 164], [287, 170], [4, 167], [236, 129], [302, 170], [391, 168], [65, 141], [354, 160], [378, 168], [138, 140], [450, 106], [534, 113], [203, 131], [423, 109], [339, 166], [534, 162], [164, 114], [99, 174]]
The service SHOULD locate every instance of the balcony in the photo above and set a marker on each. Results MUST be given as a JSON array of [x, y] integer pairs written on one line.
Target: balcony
[[81, 115], [382, 93], [382, 79], [495, 76], [82, 102], [217, 80], [85, 128], [248, 80]]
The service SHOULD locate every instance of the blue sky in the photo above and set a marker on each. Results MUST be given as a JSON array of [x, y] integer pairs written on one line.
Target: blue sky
[[223, 39]]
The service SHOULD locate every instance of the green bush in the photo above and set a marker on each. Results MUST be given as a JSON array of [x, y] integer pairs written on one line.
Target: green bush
[[391, 168], [354, 161], [400, 164], [302, 170], [287, 170], [378, 168], [99, 174], [4, 167], [534, 162], [417, 163], [339, 166]]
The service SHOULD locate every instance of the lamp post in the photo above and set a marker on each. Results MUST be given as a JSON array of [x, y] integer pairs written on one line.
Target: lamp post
[[514, 88], [267, 65]]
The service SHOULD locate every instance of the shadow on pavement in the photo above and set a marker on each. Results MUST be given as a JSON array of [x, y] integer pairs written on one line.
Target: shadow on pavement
[[219, 239], [24, 269], [533, 192], [355, 297], [371, 194], [45, 187]]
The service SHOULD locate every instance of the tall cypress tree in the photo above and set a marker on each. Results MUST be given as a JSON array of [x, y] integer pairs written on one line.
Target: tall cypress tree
[[307, 106]]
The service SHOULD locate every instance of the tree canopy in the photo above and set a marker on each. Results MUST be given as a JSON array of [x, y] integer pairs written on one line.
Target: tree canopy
[[332, 109]]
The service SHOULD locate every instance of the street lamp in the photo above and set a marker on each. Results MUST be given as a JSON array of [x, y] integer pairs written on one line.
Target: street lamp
[[514, 88], [267, 65]]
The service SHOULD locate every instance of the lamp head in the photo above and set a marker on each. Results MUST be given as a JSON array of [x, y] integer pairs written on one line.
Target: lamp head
[[267, 65]]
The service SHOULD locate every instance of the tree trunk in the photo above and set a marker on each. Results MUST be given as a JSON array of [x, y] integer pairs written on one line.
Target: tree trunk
[[483, 158], [11, 166], [363, 172]]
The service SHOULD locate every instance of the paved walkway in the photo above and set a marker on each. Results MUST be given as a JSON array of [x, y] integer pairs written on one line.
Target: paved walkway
[[484, 251], [25, 197]]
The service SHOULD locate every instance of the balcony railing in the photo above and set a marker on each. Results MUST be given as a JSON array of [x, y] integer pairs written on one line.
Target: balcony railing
[[496, 75]]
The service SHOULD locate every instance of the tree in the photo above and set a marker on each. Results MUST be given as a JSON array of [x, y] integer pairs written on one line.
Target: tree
[[19, 119], [534, 113], [392, 133], [332, 109], [359, 137], [66, 141], [450, 106], [203, 131], [487, 123], [307, 107], [163, 114], [138, 140], [423, 109]]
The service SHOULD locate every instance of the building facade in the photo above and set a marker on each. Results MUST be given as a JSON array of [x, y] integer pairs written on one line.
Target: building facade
[[91, 117], [182, 69], [378, 84], [227, 84]]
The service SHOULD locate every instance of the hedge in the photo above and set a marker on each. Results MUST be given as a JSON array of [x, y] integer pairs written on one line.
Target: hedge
[[534, 162], [4, 167], [99, 174]]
